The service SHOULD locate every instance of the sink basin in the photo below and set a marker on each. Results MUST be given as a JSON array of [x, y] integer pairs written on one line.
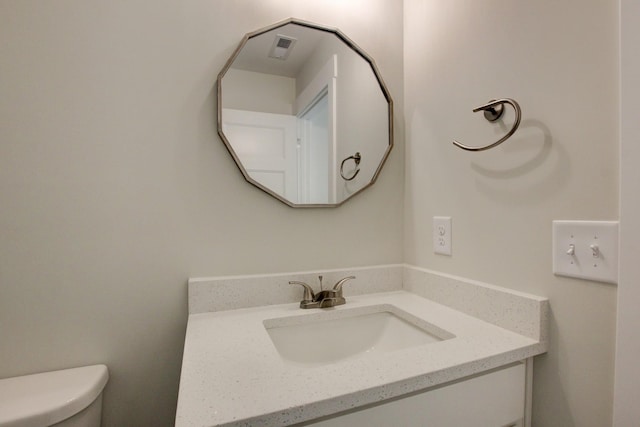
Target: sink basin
[[327, 337]]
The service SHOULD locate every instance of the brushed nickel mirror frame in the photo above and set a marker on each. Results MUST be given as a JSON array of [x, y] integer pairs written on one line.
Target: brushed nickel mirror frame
[[350, 43]]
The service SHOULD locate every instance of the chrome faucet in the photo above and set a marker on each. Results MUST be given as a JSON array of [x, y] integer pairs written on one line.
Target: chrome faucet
[[323, 299]]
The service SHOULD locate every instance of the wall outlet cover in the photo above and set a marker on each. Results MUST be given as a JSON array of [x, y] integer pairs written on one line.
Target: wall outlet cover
[[442, 235]]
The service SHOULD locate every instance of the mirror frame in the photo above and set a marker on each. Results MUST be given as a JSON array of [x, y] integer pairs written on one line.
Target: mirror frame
[[357, 50]]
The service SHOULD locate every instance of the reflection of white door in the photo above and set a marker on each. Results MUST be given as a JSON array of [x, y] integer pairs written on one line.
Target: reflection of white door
[[315, 153], [266, 144]]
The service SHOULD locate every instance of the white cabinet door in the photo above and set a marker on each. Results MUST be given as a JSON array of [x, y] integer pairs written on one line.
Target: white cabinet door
[[495, 399]]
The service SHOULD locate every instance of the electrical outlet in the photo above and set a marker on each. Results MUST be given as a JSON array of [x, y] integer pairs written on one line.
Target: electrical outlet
[[586, 250], [442, 235]]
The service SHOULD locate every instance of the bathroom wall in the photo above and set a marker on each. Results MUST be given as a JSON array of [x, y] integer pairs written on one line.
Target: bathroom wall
[[559, 61], [115, 187], [251, 91], [627, 374]]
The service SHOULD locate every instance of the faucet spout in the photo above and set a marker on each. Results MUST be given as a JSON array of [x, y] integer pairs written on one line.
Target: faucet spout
[[324, 298], [338, 286], [308, 296]]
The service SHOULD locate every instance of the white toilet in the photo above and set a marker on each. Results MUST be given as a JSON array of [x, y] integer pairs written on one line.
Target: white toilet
[[67, 398]]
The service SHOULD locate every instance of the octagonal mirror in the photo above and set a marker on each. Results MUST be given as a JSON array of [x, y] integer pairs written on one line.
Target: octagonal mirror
[[305, 114]]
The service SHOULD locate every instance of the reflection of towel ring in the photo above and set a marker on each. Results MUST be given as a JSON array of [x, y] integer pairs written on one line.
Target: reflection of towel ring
[[356, 157]]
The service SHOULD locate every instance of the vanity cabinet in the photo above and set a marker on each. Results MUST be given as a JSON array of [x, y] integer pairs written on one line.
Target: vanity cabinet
[[476, 373], [493, 399]]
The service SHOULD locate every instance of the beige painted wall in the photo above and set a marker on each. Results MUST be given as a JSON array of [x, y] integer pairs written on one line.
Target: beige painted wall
[[559, 60], [627, 373], [115, 187], [251, 91]]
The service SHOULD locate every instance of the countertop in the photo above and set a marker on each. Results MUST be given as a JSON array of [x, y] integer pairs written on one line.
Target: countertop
[[232, 375]]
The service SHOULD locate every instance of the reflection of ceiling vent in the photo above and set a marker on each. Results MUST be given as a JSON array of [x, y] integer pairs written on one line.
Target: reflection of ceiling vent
[[281, 47]]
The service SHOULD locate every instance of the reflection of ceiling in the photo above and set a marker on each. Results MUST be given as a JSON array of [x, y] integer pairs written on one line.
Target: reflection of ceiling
[[254, 54]]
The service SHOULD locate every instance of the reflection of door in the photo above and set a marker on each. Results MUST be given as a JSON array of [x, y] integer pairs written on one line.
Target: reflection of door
[[315, 150], [265, 143]]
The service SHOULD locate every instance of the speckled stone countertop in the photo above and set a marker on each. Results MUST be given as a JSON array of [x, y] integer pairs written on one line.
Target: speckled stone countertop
[[232, 375]]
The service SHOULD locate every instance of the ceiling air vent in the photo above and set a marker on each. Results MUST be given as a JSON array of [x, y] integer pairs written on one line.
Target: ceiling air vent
[[281, 47]]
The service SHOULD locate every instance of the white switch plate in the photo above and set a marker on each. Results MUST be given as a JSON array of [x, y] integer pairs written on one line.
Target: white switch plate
[[595, 250], [442, 235]]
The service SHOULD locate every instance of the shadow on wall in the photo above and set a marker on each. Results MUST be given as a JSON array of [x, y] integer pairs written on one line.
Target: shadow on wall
[[542, 171]]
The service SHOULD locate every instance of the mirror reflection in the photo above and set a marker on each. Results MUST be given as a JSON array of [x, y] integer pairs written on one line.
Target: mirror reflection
[[305, 114]]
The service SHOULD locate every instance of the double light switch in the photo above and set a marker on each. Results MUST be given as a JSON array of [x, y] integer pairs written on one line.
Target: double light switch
[[586, 250]]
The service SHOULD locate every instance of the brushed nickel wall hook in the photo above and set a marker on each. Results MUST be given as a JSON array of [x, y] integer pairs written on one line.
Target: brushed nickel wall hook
[[356, 158], [493, 110]]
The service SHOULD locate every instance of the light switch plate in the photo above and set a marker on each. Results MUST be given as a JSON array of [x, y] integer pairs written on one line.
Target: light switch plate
[[442, 235], [586, 250]]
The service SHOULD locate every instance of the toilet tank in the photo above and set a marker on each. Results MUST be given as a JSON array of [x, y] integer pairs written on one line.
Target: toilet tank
[[66, 398]]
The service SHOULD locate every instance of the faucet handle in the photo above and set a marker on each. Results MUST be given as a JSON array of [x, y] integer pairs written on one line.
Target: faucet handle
[[338, 286], [308, 292]]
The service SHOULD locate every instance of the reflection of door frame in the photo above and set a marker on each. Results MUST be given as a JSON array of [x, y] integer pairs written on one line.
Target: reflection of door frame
[[324, 81], [307, 139]]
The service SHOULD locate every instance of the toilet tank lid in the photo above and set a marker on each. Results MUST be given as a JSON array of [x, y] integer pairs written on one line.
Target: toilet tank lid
[[50, 397]]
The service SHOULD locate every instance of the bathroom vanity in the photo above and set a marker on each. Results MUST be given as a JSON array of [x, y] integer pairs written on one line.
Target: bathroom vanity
[[424, 349]]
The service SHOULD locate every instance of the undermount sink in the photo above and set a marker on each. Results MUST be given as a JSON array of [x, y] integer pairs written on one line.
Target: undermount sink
[[327, 337]]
